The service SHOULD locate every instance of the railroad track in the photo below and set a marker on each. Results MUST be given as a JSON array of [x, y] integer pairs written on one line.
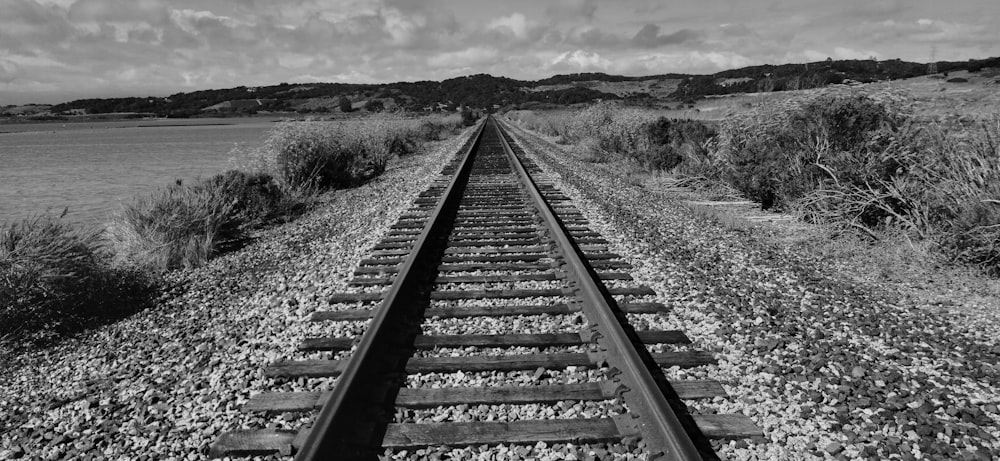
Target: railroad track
[[489, 240]]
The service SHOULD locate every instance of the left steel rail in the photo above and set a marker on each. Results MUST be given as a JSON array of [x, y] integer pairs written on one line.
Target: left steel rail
[[334, 434]]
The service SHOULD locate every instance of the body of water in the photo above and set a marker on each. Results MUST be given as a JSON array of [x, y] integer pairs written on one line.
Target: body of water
[[92, 167]]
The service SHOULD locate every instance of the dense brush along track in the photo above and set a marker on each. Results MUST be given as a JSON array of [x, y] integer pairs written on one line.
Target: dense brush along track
[[488, 242]]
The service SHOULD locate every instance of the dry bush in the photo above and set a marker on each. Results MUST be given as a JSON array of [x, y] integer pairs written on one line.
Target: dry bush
[[256, 197], [616, 129], [777, 154], [674, 142], [549, 124], [174, 227], [53, 280], [312, 156], [39, 256], [958, 190], [860, 160], [438, 127], [590, 151]]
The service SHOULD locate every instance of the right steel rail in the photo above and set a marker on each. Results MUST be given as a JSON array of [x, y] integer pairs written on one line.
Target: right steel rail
[[649, 410]]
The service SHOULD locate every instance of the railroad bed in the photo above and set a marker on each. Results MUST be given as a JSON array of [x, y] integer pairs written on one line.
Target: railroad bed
[[492, 275]]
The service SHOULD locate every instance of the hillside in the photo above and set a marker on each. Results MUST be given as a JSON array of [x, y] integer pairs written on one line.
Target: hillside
[[489, 92]]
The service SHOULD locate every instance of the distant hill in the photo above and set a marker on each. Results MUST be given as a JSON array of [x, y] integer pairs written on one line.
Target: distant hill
[[489, 92]]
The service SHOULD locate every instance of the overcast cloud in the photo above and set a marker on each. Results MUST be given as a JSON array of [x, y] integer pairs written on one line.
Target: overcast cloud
[[57, 50]]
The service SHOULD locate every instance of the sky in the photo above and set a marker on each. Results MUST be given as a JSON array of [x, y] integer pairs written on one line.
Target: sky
[[58, 50]]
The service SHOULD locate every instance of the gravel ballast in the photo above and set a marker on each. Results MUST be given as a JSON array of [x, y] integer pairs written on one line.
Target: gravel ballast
[[829, 368], [166, 382]]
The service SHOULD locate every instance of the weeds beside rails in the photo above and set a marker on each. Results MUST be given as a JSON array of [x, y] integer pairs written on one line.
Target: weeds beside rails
[[846, 157], [182, 226], [56, 278], [861, 160]]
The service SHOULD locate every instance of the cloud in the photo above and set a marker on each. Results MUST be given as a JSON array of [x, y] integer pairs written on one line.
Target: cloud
[[927, 31], [580, 60], [564, 10], [593, 37], [840, 52], [98, 11], [687, 61], [876, 9], [465, 58], [402, 28], [191, 21], [515, 24], [8, 71], [735, 30], [649, 37]]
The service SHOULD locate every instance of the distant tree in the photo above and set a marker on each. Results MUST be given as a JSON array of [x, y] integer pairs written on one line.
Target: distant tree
[[344, 104], [374, 105], [469, 116]]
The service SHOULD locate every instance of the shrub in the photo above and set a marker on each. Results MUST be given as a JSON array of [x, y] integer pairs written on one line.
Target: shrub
[[860, 160], [310, 156], [256, 197], [592, 152], [616, 129], [435, 128], [344, 104], [778, 154], [53, 280], [469, 117], [39, 256], [549, 124], [675, 140], [174, 227], [958, 188]]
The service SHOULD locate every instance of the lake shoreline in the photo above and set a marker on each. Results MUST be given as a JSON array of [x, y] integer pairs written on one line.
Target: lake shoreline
[[92, 167]]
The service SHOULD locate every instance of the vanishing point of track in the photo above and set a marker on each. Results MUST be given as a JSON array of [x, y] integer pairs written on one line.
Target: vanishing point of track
[[465, 249]]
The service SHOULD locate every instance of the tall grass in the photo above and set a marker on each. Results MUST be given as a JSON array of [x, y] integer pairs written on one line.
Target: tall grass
[[178, 226], [438, 127], [610, 130], [549, 124], [860, 159], [54, 278], [184, 225], [849, 157], [314, 156]]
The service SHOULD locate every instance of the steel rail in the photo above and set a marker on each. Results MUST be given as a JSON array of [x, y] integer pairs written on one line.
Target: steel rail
[[332, 436], [660, 427]]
